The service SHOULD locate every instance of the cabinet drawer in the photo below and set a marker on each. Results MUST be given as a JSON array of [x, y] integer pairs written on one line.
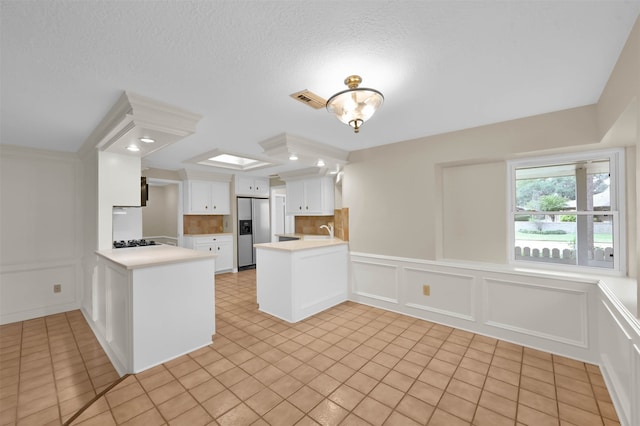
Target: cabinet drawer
[[213, 239]]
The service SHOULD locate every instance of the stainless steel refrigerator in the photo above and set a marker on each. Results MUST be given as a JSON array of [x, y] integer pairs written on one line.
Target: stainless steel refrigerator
[[253, 228]]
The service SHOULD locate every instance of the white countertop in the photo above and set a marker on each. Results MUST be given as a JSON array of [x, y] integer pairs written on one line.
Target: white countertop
[[144, 257], [296, 245]]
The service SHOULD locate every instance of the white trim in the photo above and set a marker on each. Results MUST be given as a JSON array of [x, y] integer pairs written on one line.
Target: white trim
[[617, 201], [583, 342]]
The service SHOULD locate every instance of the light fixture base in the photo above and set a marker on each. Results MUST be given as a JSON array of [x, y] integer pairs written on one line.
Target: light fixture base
[[353, 81]]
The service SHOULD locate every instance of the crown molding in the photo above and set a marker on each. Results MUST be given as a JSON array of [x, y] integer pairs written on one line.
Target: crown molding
[[134, 116]]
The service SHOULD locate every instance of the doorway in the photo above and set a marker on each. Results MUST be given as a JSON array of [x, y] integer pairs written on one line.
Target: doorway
[[281, 223], [162, 216]]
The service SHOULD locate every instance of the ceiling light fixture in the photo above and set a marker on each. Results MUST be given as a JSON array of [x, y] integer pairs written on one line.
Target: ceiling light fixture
[[355, 105], [320, 163], [133, 148], [293, 157], [147, 140]]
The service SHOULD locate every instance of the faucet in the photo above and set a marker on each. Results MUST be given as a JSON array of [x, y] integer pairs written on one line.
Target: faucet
[[329, 228]]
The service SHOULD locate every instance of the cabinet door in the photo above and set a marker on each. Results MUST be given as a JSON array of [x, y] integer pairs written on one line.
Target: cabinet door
[[224, 261], [261, 187], [295, 197], [313, 196], [199, 197], [221, 203], [245, 185]]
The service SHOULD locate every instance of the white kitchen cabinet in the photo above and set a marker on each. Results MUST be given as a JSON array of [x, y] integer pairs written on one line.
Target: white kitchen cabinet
[[310, 197], [219, 244], [252, 186], [207, 197], [295, 280], [152, 304]]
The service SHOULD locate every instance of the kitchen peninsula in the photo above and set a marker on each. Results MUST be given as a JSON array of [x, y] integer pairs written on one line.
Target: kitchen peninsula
[[152, 304], [297, 279]]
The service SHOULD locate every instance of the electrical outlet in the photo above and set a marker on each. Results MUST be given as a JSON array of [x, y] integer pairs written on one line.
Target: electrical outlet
[[57, 288], [426, 290]]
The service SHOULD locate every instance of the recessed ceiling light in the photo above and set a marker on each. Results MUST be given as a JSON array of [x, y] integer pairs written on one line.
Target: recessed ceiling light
[[320, 163], [147, 140], [293, 157], [133, 148]]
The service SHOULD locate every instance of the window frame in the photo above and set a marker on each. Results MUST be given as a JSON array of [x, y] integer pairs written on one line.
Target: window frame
[[617, 202]]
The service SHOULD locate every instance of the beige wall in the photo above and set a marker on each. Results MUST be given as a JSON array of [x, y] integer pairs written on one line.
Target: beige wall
[[408, 199], [396, 196], [160, 216], [471, 208]]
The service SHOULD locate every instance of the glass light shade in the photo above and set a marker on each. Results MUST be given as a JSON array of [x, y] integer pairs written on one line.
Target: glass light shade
[[355, 106]]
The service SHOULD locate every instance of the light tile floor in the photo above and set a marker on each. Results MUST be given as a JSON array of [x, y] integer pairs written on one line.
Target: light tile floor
[[349, 365], [49, 369]]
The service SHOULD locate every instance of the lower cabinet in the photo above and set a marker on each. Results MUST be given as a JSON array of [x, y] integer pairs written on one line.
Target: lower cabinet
[[219, 244], [146, 315]]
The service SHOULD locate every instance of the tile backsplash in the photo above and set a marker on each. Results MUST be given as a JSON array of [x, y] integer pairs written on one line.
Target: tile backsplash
[[203, 224], [310, 225]]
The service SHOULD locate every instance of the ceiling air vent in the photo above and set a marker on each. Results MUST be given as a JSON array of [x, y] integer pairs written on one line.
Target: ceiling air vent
[[309, 98]]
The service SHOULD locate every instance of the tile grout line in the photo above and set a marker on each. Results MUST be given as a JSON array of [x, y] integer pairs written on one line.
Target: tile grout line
[[519, 386], [53, 370], [84, 363], [477, 404], [593, 392], [94, 399], [19, 372]]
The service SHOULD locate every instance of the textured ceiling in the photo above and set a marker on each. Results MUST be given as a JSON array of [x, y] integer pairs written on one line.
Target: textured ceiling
[[442, 65]]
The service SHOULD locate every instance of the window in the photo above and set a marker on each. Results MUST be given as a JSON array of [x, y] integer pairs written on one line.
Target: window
[[568, 210]]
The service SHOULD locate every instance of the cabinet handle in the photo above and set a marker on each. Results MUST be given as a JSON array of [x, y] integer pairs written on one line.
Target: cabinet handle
[[251, 187], [218, 248], [300, 207], [206, 207], [214, 207], [307, 207], [257, 189], [209, 248]]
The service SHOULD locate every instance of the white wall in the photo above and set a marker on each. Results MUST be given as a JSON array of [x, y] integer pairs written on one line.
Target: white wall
[[118, 185], [40, 233], [127, 224]]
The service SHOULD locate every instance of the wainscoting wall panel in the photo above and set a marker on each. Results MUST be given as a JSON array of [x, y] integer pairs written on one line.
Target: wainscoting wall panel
[[517, 306], [619, 340], [569, 315], [449, 294], [41, 233], [27, 290], [375, 280]]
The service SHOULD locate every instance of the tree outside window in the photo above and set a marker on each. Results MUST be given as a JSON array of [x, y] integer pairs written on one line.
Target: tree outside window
[[564, 210]]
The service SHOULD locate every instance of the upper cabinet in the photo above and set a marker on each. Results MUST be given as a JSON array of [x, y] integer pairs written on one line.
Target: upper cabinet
[[207, 197], [310, 196], [252, 186]]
